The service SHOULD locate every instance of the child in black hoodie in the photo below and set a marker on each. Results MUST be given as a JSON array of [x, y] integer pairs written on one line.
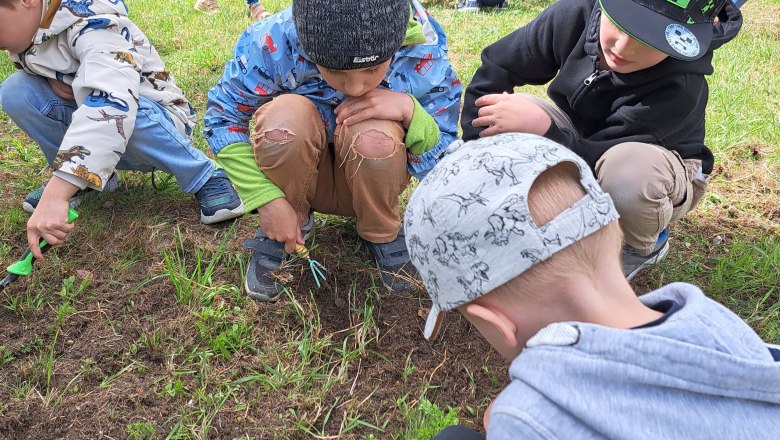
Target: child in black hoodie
[[629, 96]]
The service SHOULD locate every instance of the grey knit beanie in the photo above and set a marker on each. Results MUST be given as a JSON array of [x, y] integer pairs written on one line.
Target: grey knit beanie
[[350, 34]]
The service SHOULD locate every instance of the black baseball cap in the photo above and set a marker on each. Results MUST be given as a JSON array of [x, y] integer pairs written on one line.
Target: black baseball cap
[[681, 29]]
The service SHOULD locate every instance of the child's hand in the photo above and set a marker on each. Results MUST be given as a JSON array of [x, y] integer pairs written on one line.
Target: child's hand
[[50, 222], [61, 89], [258, 12], [376, 104], [280, 223], [50, 219], [506, 113]]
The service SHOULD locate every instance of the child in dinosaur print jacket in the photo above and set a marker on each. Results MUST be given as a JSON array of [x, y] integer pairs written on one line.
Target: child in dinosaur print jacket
[[93, 92]]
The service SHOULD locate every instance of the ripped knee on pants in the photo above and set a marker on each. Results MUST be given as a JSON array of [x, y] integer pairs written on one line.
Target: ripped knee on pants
[[372, 147], [278, 135], [374, 144]]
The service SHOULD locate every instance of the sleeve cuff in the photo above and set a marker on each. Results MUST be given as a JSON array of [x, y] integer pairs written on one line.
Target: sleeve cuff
[[254, 188], [419, 165], [253, 202], [221, 137], [554, 133], [423, 132], [70, 178]]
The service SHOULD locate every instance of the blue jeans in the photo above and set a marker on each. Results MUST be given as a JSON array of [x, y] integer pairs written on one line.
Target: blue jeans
[[154, 145]]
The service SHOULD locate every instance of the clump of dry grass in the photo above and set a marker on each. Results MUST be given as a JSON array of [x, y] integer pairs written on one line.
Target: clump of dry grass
[[744, 194]]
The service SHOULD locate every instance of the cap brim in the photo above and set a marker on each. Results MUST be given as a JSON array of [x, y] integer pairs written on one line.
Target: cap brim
[[433, 323], [678, 40]]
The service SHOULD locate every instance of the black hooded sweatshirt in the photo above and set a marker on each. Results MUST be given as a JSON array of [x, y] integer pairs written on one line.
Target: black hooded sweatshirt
[[662, 105]]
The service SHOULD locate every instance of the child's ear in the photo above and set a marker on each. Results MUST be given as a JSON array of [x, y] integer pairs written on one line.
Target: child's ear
[[31, 4], [494, 319]]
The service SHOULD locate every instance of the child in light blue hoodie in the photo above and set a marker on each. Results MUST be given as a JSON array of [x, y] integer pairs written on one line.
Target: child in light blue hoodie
[[514, 232]]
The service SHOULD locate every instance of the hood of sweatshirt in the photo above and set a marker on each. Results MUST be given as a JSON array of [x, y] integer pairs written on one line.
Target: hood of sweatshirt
[[728, 26], [702, 363], [59, 15]]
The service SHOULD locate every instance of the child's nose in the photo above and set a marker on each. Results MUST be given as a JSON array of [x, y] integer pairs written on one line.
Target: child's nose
[[353, 88], [623, 44]]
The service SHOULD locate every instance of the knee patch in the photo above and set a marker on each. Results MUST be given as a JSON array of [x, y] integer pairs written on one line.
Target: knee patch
[[374, 144], [279, 136]]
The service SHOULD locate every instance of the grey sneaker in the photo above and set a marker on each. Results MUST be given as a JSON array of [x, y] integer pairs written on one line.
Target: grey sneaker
[[468, 6], [392, 260], [32, 199], [633, 262], [267, 257], [474, 5], [218, 200]]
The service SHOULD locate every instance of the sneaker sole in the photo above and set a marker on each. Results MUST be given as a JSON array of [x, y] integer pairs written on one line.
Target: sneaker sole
[[261, 296], [658, 257], [222, 215], [469, 9]]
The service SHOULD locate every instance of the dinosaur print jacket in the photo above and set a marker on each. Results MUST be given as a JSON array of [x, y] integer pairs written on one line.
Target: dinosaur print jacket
[[269, 61], [93, 46]]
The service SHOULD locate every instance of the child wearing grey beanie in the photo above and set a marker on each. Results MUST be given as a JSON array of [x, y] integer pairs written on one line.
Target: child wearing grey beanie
[[345, 101]]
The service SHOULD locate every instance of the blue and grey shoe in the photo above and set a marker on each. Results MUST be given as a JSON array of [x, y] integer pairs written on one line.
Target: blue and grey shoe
[[474, 5], [392, 259], [268, 256], [32, 199], [468, 6], [633, 262], [218, 200]]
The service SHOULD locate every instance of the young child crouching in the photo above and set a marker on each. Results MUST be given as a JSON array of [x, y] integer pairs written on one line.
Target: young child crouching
[[514, 232]]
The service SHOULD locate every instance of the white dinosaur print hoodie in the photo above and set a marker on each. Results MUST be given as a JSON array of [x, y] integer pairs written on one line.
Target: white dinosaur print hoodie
[[94, 47]]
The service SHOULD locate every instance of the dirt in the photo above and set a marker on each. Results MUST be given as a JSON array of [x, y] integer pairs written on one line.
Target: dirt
[[101, 343], [104, 378]]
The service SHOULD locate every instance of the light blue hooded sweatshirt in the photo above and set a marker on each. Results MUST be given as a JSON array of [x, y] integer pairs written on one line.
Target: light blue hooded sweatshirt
[[702, 373]]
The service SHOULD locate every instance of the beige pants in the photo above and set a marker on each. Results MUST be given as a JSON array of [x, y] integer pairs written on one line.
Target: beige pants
[[650, 185], [362, 176]]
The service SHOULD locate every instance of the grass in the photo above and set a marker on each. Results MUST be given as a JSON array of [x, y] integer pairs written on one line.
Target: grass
[[137, 327]]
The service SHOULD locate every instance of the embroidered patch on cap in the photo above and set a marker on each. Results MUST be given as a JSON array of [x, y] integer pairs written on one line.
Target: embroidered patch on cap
[[368, 59], [682, 40]]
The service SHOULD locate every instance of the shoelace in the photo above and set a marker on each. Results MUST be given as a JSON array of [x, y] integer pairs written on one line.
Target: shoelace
[[216, 187], [37, 192]]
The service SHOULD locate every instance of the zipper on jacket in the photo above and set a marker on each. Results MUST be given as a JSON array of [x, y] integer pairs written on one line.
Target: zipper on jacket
[[585, 84], [595, 73]]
